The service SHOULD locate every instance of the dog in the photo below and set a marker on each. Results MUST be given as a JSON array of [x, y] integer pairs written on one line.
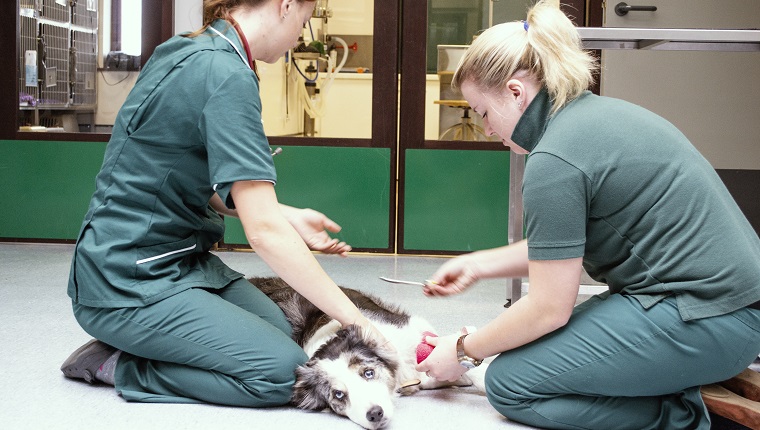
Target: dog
[[350, 371]]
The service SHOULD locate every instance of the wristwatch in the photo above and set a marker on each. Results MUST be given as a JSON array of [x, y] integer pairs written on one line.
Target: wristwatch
[[464, 360]]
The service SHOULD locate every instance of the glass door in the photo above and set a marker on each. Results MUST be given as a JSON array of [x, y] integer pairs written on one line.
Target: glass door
[[453, 173]]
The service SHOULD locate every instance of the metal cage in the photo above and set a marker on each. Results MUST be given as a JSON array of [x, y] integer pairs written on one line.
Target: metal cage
[[85, 14], [28, 86], [53, 55], [84, 62], [56, 10]]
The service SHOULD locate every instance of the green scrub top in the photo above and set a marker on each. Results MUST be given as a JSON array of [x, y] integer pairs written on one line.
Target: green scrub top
[[623, 188], [190, 127]]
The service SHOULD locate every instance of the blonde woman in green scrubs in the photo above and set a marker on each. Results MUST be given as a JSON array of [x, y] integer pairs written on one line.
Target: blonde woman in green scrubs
[[174, 323], [616, 190]]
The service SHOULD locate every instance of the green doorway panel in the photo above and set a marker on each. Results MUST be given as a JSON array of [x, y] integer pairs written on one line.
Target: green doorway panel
[[349, 185], [455, 200]]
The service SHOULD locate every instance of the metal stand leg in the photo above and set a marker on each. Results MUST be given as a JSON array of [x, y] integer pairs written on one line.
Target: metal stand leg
[[515, 229], [465, 130]]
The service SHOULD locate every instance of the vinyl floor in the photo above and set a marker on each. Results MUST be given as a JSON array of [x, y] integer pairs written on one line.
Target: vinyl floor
[[38, 332]]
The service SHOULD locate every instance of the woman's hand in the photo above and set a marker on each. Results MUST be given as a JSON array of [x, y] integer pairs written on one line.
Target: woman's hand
[[313, 226], [370, 329], [462, 272], [442, 363], [453, 277]]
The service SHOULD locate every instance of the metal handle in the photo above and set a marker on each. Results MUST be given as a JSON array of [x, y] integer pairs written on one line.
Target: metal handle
[[622, 9]]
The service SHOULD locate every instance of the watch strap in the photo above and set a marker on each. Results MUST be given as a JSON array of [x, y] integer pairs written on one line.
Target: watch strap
[[463, 358]]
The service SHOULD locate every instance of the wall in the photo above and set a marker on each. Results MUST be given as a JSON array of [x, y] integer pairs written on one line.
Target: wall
[[113, 89], [455, 200], [49, 184], [188, 15]]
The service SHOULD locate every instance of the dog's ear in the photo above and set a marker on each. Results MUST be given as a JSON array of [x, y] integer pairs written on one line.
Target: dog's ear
[[349, 331], [310, 390], [356, 335], [383, 348]]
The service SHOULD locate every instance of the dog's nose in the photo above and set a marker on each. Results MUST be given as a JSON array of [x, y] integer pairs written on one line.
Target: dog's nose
[[375, 414]]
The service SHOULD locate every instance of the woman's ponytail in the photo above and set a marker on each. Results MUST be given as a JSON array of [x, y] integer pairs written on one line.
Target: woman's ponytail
[[564, 67], [546, 45]]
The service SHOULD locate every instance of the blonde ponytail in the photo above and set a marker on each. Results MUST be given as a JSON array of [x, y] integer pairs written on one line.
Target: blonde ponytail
[[546, 45]]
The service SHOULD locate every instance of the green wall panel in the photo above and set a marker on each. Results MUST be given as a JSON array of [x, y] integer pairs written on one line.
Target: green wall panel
[[349, 185], [456, 200], [47, 186]]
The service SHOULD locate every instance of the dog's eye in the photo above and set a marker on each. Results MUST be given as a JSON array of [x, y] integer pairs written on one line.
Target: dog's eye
[[339, 394], [369, 374]]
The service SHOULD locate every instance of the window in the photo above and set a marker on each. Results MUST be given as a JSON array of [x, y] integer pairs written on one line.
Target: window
[[131, 27], [126, 22]]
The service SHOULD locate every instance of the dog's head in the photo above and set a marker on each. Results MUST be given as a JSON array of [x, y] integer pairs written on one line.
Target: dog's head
[[353, 375]]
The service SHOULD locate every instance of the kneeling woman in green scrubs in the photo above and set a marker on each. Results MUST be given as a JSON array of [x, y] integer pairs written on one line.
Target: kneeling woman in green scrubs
[[619, 191], [174, 323]]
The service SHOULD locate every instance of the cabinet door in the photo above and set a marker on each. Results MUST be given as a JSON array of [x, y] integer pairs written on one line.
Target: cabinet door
[[713, 97]]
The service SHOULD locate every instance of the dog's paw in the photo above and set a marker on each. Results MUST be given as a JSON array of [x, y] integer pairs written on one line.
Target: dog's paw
[[409, 387], [477, 377]]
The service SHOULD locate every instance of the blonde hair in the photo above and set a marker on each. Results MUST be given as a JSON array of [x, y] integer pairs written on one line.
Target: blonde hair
[[546, 45]]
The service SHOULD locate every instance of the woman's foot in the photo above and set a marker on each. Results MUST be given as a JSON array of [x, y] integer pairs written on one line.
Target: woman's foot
[[85, 362]]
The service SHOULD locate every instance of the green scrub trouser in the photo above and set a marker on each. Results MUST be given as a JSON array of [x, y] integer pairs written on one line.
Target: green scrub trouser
[[230, 346], [616, 365]]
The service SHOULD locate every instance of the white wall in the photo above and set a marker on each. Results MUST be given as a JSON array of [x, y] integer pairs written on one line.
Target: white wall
[[188, 15], [113, 89]]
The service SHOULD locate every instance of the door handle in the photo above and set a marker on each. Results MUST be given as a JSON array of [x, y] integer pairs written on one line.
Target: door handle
[[622, 9]]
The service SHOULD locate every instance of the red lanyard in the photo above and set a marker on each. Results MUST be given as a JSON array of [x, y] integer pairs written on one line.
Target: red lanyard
[[247, 48]]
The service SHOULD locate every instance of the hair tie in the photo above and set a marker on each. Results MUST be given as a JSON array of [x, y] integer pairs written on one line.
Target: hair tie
[[525, 25]]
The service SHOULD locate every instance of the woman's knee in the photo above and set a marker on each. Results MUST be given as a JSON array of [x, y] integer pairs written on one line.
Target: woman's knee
[[504, 389], [272, 383], [282, 367]]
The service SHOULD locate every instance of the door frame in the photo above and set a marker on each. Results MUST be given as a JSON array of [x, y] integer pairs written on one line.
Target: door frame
[[412, 101]]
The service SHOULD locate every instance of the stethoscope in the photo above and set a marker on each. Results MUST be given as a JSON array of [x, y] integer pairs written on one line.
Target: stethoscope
[[240, 54]]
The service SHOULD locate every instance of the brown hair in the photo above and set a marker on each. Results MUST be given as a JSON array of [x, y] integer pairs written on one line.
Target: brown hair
[[222, 9], [546, 45]]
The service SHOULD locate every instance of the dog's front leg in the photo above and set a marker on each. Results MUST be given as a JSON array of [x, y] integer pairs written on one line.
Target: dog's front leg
[[474, 377]]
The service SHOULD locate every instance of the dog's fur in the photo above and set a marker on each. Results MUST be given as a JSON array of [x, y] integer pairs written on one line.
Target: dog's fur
[[349, 371]]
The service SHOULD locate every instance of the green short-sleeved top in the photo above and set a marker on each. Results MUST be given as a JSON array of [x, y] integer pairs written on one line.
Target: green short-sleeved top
[[190, 127], [618, 185]]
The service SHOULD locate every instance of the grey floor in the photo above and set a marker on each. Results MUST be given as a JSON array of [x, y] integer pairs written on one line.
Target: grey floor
[[38, 332]]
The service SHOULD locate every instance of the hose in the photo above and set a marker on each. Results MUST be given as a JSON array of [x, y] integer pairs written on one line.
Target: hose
[[315, 107]]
